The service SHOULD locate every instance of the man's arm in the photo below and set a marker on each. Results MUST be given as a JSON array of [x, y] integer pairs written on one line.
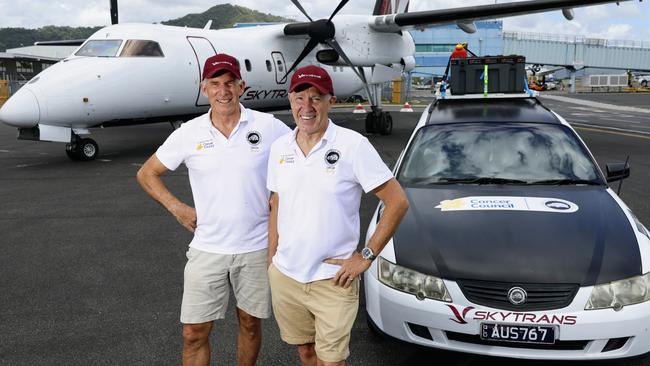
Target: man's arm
[[274, 201], [395, 207], [149, 178]]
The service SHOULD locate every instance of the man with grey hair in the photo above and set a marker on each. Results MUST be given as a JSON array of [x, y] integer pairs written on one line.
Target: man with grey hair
[[226, 152]]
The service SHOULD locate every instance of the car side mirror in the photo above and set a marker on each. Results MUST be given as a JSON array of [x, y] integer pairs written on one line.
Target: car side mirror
[[617, 171]]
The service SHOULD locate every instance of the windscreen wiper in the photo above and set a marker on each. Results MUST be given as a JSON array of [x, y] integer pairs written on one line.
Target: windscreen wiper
[[565, 182], [480, 180]]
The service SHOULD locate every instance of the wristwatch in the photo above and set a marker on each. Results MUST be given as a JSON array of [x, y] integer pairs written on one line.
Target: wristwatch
[[367, 253]]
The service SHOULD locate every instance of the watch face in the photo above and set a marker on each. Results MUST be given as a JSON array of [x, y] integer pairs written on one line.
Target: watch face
[[366, 253]]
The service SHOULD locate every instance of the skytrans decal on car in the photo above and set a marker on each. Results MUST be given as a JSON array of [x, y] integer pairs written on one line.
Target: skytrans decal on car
[[492, 203], [461, 317]]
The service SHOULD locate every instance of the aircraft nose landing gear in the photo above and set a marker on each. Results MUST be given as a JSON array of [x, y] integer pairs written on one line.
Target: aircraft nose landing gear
[[378, 121], [82, 149]]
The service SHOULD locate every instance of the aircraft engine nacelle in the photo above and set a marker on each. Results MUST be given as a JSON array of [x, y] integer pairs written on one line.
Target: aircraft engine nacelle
[[366, 47]]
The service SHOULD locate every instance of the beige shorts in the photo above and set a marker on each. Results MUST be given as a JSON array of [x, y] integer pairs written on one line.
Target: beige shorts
[[316, 312], [209, 277]]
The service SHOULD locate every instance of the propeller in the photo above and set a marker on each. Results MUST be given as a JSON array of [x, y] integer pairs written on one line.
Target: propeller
[[114, 11], [320, 31]]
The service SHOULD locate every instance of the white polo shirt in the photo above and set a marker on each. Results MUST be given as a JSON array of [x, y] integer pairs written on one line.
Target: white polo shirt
[[228, 179], [320, 195]]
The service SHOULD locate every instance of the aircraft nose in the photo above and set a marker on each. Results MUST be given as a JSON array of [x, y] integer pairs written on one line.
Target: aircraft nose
[[21, 110]]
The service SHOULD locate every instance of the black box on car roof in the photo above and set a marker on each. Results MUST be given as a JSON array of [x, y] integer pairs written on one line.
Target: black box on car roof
[[506, 74]]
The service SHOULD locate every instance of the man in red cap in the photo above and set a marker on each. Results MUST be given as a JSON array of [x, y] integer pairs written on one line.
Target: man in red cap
[[226, 154], [317, 175]]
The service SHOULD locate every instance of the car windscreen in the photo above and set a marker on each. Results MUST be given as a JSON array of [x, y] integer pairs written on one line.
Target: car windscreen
[[100, 48], [141, 48], [501, 153]]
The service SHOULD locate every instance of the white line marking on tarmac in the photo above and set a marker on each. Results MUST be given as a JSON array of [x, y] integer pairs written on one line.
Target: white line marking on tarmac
[[592, 104], [619, 120], [4, 151], [136, 164], [583, 114], [28, 165], [588, 109], [104, 160], [614, 129]]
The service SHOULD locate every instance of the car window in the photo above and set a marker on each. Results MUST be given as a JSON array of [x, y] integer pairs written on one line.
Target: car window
[[141, 48], [523, 152], [100, 48]]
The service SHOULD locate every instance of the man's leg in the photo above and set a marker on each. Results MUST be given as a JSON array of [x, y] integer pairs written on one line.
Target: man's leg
[[325, 363], [249, 339], [196, 344], [307, 354]]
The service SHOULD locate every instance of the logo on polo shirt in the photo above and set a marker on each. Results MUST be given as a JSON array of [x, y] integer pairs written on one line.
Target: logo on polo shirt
[[287, 159], [332, 157], [254, 138], [206, 144]]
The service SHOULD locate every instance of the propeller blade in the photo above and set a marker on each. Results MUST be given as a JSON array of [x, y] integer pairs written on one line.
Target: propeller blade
[[297, 4], [308, 48], [114, 12], [341, 5], [335, 45]]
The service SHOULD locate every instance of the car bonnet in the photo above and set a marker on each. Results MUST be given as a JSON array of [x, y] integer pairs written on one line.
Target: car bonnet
[[527, 234]]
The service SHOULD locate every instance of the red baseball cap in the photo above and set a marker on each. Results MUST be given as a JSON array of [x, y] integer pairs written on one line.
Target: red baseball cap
[[220, 62], [314, 76]]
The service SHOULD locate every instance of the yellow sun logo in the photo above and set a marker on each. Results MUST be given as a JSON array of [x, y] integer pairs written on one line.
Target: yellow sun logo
[[199, 147], [458, 203]]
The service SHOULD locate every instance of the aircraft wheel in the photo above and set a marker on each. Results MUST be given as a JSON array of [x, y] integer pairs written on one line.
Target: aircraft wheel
[[385, 124], [371, 123], [87, 149]]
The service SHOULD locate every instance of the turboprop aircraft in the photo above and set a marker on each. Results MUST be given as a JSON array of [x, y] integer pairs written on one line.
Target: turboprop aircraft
[[142, 73]]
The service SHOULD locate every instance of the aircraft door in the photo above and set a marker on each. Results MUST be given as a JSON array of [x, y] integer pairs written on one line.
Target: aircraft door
[[202, 50], [279, 66]]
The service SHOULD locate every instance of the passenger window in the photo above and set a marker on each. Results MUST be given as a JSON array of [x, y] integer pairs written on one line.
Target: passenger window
[[268, 66], [248, 65], [141, 48], [100, 48]]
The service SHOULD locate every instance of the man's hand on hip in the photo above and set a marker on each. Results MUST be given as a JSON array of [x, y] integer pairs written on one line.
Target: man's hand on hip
[[185, 215], [350, 269]]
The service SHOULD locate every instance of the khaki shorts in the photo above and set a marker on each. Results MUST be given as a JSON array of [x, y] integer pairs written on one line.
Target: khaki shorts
[[209, 277], [316, 312]]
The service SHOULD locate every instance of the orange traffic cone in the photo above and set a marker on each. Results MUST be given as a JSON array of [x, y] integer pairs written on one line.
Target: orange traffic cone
[[359, 109], [407, 108]]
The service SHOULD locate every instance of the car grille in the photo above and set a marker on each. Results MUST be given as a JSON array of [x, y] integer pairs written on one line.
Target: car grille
[[540, 296]]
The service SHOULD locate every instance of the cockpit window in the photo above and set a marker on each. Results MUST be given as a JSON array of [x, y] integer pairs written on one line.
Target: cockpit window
[[141, 48], [100, 48]]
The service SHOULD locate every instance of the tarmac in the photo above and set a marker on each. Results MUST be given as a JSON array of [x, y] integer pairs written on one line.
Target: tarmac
[[91, 268]]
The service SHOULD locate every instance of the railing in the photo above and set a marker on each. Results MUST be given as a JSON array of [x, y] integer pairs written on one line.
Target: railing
[[566, 38]]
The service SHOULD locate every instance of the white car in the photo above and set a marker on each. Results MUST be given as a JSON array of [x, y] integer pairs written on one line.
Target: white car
[[643, 80], [514, 244]]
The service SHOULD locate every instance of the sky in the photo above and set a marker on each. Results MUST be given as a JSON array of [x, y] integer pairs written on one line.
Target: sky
[[629, 21]]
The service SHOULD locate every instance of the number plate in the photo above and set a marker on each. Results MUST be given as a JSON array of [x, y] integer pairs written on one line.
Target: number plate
[[518, 333]]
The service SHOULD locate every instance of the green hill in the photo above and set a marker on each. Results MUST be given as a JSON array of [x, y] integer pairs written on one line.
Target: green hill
[[225, 16], [222, 16]]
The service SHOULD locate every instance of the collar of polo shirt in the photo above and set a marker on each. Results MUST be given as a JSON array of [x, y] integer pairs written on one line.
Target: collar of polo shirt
[[243, 117], [328, 136]]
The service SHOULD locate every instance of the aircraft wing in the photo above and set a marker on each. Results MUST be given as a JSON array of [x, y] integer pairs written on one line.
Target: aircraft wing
[[465, 15]]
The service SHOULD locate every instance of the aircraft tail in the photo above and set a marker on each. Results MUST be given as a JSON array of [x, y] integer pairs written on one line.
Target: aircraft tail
[[384, 7]]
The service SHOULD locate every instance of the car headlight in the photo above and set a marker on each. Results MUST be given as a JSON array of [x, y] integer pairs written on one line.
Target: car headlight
[[412, 282], [620, 293]]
